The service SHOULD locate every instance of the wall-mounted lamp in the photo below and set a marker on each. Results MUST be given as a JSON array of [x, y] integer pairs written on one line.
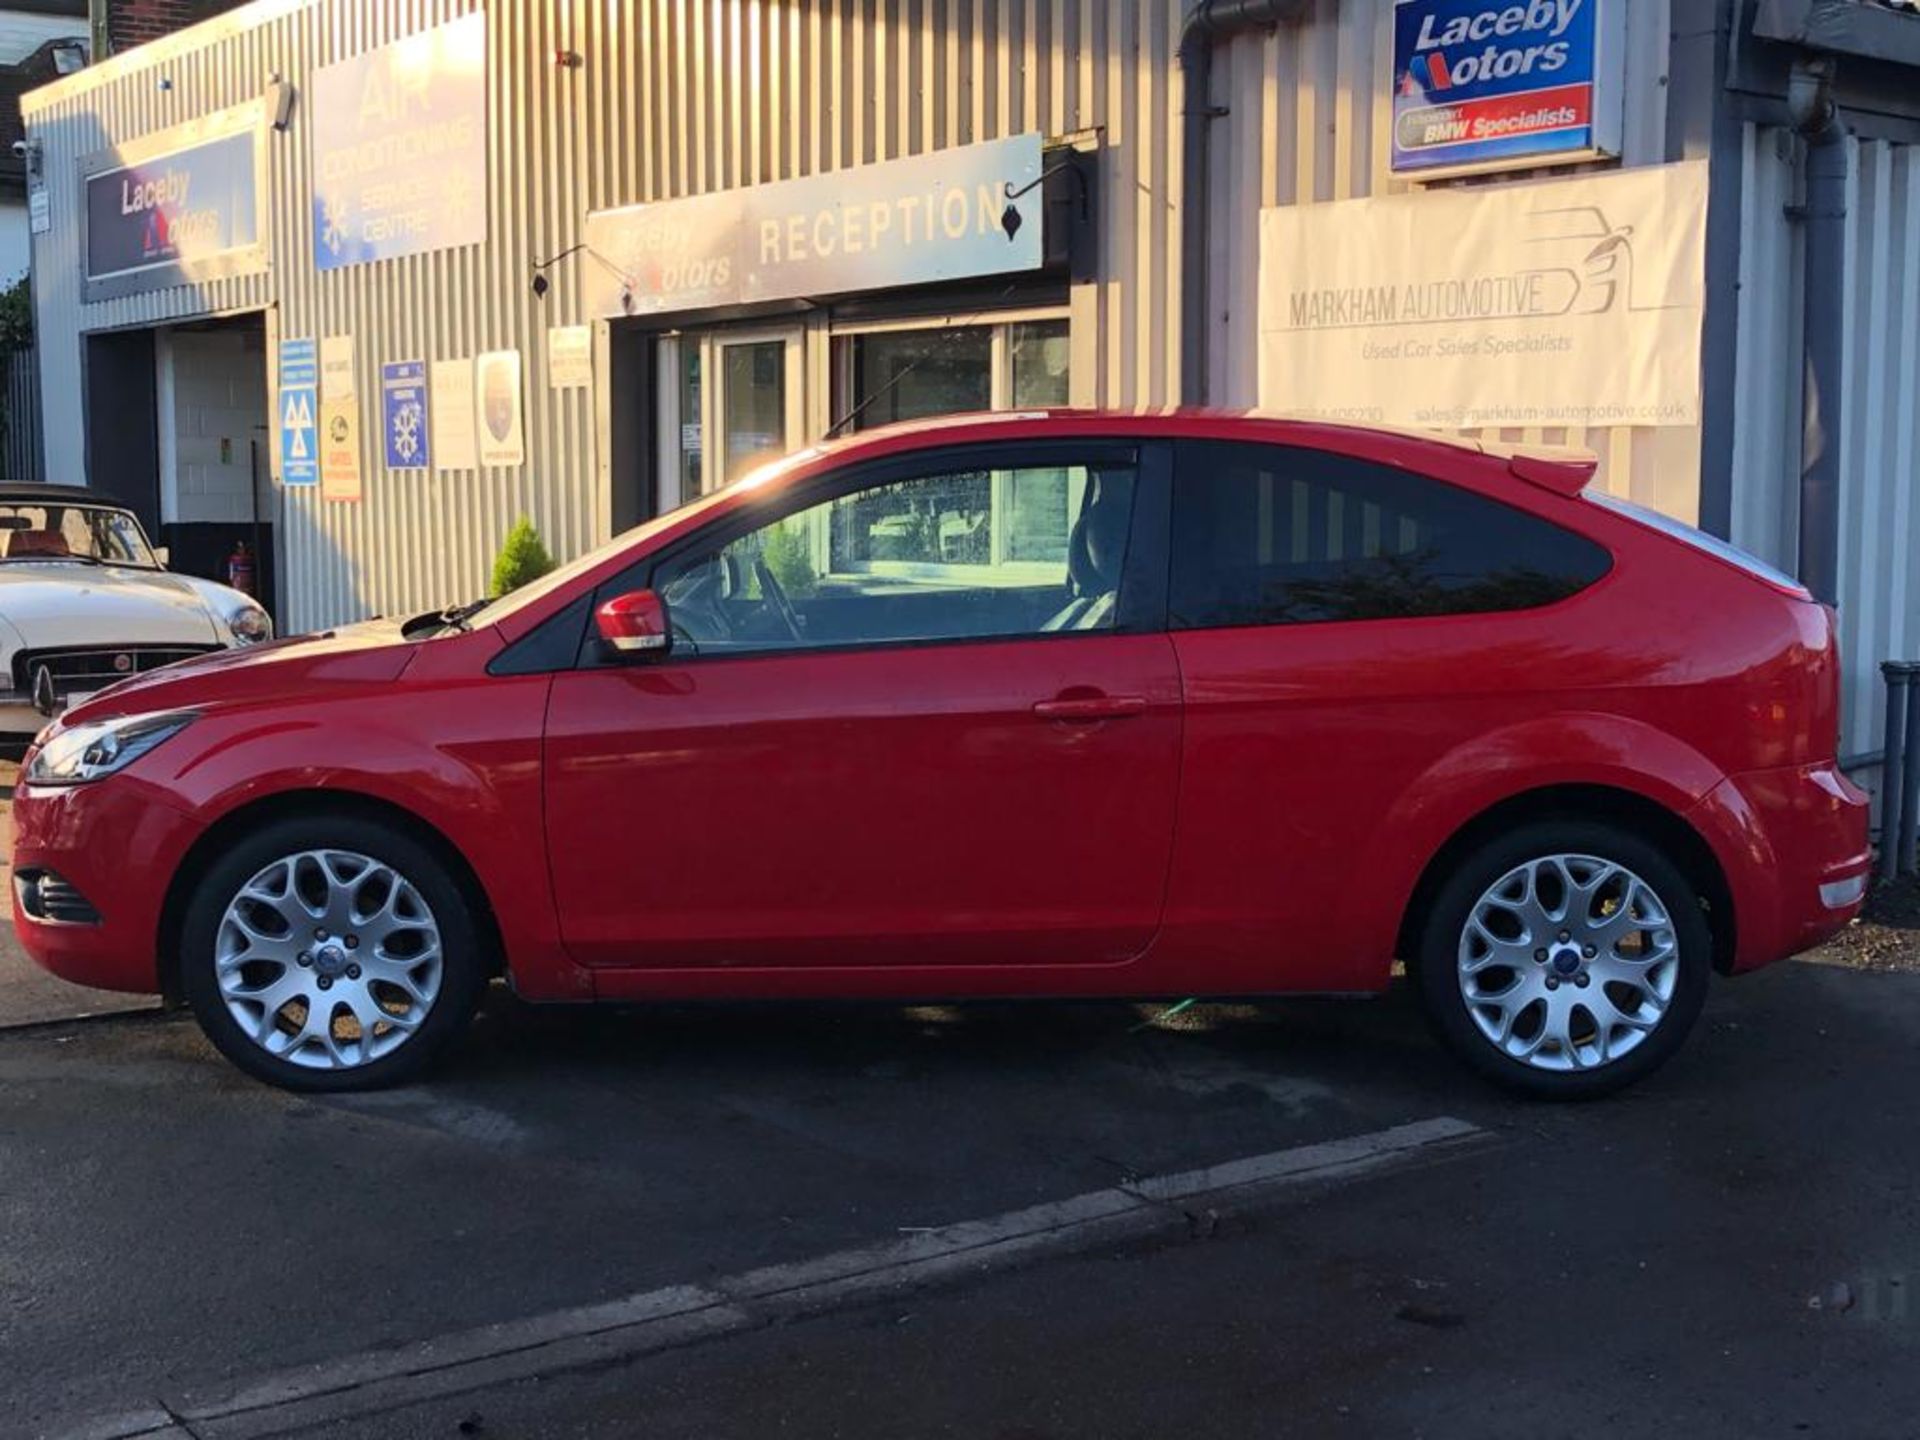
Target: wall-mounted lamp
[[28, 153], [541, 283], [1010, 218], [280, 101], [69, 56]]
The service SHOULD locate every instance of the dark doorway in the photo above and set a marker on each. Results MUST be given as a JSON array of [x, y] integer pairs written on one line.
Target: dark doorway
[[123, 436]]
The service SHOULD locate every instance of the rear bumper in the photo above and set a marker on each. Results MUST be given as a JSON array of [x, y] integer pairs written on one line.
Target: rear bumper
[[118, 844], [1793, 846]]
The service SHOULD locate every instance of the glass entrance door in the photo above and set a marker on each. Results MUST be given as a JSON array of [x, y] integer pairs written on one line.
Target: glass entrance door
[[729, 400]]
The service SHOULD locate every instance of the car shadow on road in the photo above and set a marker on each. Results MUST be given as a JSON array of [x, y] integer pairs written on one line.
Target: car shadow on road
[[1282, 1046]]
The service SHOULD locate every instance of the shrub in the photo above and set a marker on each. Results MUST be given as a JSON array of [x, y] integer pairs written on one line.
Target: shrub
[[522, 559]]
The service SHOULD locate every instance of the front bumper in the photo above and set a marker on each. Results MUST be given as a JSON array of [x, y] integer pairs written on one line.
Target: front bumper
[[1793, 846], [117, 842]]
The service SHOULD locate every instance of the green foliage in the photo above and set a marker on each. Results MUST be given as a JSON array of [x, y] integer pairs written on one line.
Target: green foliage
[[16, 316], [789, 555], [521, 560]]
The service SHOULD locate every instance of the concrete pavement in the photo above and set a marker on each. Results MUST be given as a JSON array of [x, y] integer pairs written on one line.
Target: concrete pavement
[[1726, 1250]]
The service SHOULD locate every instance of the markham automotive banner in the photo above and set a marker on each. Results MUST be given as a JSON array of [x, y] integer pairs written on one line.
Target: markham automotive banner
[[1484, 85], [400, 147], [1577, 302]]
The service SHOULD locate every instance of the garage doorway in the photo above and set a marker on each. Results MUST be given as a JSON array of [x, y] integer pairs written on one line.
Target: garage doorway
[[178, 429]]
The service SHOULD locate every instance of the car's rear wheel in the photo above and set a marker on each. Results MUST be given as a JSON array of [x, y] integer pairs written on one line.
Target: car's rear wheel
[[331, 953], [1566, 959]]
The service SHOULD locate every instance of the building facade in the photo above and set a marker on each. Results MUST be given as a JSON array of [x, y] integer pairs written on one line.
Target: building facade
[[580, 260]]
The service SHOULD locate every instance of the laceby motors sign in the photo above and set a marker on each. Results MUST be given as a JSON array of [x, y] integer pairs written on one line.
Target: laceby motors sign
[[1483, 85]]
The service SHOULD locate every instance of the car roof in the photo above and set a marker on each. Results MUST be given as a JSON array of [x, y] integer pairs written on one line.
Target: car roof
[[1560, 468], [36, 492]]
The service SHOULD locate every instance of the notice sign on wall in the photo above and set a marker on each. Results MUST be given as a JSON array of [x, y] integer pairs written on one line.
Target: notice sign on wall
[[450, 414], [1573, 303], [927, 218], [400, 147], [1491, 84], [339, 420], [403, 414], [299, 413], [496, 384]]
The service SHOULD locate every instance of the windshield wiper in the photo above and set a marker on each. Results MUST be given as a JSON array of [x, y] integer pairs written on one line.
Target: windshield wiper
[[457, 617]]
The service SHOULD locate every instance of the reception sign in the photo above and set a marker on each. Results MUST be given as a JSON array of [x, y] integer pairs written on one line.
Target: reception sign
[[928, 218], [1492, 84], [175, 207], [400, 147], [1574, 303]]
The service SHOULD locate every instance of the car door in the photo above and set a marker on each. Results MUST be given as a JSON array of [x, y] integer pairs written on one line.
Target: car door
[[924, 714], [1342, 624]]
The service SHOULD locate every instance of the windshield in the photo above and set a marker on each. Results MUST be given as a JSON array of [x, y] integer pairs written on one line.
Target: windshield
[[66, 532]]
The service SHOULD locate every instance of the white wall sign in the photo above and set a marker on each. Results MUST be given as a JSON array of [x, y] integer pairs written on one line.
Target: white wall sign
[[569, 356], [1572, 303], [339, 420], [450, 417], [913, 221], [496, 387]]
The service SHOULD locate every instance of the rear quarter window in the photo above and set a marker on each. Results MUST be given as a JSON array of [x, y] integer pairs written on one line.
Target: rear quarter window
[[1275, 535]]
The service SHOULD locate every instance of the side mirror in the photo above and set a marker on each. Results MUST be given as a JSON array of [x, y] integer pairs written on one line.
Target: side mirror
[[635, 625], [163, 556]]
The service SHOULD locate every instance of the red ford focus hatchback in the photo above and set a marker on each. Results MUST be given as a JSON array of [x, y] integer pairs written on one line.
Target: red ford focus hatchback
[[1035, 705]]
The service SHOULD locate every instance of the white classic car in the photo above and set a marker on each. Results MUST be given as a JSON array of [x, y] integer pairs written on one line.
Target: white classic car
[[85, 601]]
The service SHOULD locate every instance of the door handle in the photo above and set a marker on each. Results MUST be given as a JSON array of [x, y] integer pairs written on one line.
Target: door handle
[[1086, 708]]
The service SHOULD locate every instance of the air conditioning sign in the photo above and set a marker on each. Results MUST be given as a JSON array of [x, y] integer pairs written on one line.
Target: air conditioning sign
[[1481, 85]]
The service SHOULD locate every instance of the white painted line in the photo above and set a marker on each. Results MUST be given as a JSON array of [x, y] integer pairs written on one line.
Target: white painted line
[[662, 1319]]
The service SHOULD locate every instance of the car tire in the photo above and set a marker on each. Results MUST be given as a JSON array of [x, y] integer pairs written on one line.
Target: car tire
[[1565, 960], [374, 925]]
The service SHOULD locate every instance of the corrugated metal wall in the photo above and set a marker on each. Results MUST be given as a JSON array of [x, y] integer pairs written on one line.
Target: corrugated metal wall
[[680, 96], [674, 97], [1879, 425], [1309, 112]]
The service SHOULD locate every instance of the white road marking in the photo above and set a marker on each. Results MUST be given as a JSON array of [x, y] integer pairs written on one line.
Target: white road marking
[[663, 1319]]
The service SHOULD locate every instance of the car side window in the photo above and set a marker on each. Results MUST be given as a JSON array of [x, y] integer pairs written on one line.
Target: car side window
[[1273, 535], [960, 554]]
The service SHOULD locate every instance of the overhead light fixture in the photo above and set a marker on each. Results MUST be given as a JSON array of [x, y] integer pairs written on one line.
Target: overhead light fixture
[[69, 56]]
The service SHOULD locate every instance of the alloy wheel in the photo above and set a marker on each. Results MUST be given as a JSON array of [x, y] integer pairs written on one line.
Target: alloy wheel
[[328, 959], [1568, 962]]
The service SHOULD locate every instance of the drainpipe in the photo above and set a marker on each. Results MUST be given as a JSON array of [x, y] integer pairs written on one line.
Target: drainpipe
[[1209, 23], [98, 30], [1816, 118]]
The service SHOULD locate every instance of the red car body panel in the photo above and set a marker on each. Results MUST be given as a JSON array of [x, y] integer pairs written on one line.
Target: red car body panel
[[868, 741], [1227, 811]]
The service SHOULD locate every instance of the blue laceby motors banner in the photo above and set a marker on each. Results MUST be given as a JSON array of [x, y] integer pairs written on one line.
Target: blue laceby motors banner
[[1484, 85]]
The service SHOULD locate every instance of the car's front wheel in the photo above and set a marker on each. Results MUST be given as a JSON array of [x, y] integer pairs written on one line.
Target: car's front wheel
[[1565, 959], [331, 953]]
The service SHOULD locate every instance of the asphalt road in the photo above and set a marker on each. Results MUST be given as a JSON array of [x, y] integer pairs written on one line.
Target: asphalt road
[[1728, 1249]]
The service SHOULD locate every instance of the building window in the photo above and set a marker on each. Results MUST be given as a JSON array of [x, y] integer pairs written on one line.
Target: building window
[[899, 373]]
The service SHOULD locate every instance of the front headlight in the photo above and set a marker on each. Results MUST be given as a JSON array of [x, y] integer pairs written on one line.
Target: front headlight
[[91, 752], [250, 626]]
